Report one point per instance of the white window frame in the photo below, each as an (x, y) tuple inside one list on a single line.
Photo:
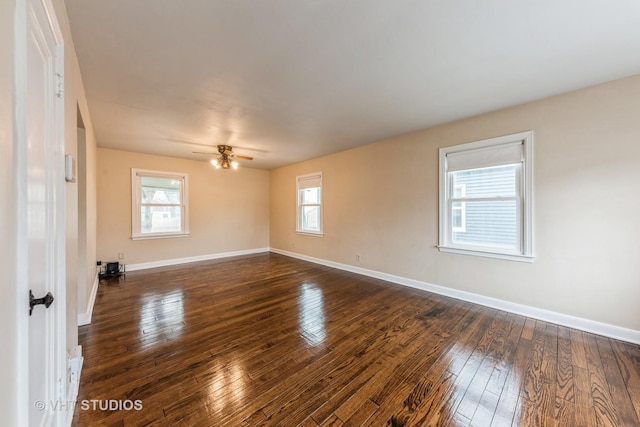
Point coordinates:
[(524, 182), (136, 203), (300, 206)]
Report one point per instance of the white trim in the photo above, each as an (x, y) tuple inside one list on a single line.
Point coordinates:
[(591, 326), (85, 318), (75, 370), (160, 236), (176, 261), (310, 233), (487, 254)]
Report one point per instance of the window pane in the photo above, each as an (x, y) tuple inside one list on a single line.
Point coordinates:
[(456, 215), (160, 219), (492, 224), (310, 196), (310, 220), (160, 190), (487, 182)]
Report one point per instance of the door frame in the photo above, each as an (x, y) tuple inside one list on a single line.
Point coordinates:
[(55, 266)]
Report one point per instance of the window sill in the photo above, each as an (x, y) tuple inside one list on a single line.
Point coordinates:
[(159, 236), (309, 233), (487, 254)]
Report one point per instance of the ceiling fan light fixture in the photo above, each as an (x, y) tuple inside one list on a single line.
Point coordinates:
[(226, 158)]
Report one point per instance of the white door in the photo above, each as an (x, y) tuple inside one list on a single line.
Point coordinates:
[(41, 204)]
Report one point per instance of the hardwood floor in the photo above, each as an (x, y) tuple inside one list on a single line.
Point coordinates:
[(270, 340)]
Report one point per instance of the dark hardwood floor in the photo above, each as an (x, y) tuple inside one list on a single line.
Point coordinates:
[(271, 340)]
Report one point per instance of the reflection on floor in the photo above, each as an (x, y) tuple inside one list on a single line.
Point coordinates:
[(270, 340)]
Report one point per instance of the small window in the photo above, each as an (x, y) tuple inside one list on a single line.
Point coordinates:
[(159, 204), (486, 205), (309, 204)]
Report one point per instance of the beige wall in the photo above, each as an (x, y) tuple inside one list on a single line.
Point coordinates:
[(381, 201), (8, 292), (91, 152), (75, 98), (87, 226), (228, 210), (87, 197)]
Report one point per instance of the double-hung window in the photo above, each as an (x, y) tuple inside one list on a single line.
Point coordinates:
[(309, 203), (486, 198), (159, 204)]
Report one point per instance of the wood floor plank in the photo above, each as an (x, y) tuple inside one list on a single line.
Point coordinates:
[(332, 421), (584, 407), (564, 412), (564, 373), (620, 397), (360, 417), (492, 357), (424, 401), (606, 412), (508, 407), (473, 357), (630, 376), (416, 355), (267, 340)]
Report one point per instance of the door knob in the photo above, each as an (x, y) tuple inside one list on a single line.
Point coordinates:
[(47, 300)]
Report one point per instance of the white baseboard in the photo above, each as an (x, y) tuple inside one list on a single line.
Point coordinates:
[(175, 261), (592, 326), (85, 318), (75, 369)]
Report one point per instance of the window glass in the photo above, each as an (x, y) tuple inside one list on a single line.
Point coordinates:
[(486, 182), (160, 219), (311, 218), (310, 195), (159, 204), (489, 223)]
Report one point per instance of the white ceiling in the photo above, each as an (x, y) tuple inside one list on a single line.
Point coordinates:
[(288, 80)]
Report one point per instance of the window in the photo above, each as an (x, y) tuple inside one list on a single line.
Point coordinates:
[(486, 190), (309, 210), (159, 205)]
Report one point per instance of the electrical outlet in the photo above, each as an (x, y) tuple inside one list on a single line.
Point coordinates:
[(120, 255), (358, 257)]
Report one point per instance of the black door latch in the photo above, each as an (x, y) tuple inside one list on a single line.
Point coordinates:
[(47, 300)]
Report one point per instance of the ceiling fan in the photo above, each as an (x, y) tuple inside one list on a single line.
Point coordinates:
[(226, 158)]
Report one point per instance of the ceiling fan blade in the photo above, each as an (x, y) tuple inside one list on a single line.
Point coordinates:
[(228, 152), (202, 152), (242, 157)]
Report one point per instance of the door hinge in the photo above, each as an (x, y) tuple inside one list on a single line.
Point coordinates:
[(60, 88)]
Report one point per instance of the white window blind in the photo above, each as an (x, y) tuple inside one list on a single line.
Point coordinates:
[(504, 154), (309, 181)]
